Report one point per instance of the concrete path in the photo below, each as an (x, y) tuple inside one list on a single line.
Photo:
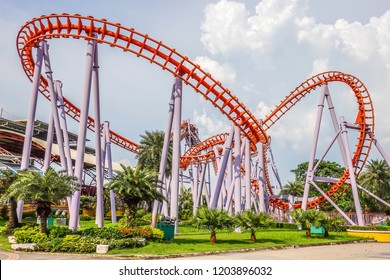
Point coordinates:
[(354, 251)]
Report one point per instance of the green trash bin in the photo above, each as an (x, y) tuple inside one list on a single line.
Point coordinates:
[(169, 230)]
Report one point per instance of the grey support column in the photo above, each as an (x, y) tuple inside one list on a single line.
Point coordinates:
[(352, 177), (31, 119), (82, 136), (98, 147), (247, 175), (174, 213), (310, 171)]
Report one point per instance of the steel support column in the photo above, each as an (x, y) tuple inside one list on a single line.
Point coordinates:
[(248, 197), (163, 160), (222, 168), (237, 170), (351, 170), (82, 135), (98, 147), (174, 213), (31, 119), (310, 171)]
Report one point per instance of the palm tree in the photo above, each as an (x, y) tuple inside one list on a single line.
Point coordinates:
[(151, 146), (213, 219), (135, 186), (295, 188), (306, 218), (376, 179), (252, 221), (43, 190), (7, 177)]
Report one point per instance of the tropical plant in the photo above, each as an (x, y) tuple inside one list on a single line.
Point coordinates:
[(376, 179), (185, 204), (295, 188), (150, 151), (7, 177), (248, 219), (213, 219), (43, 190), (135, 187), (306, 218)]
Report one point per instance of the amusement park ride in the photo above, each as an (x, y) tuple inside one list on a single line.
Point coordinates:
[(241, 158)]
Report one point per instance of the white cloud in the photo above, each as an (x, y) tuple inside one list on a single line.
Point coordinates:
[(356, 39), (228, 26), (208, 125), (222, 72), (319, 66)]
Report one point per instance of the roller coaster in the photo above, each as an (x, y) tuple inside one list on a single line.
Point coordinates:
[(240, 157)]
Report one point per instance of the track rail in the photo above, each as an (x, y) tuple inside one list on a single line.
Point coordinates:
[(364, 120), (57, 26)]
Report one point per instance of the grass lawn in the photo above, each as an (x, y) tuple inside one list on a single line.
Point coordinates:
[(198, 241), (191, 240)]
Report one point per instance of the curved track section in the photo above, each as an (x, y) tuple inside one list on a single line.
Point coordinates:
[(364, 119), (113, 34)]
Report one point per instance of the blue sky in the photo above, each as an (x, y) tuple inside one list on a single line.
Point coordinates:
[(261, 50)]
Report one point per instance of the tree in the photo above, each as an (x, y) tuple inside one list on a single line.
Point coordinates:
[(250, 220), (213, 219), (151, 146), (43, 190), (7, 177), (185, 204), (135, 186), (376, 179), (295, 188), (306, 218)]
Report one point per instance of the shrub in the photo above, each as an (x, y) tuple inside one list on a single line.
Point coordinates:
[(59, 232), (121, 243), (157, 234), (26, 234), (3, 231), (105, 233), (85, 218)]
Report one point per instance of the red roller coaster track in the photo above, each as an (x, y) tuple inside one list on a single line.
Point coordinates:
[(113, 34), (100, 30)]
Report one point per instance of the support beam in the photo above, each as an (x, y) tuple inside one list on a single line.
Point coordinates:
[(248, 202), (31, 119), (98, 148), (82, 135), (355, 193), (163, 160), (107, 155), (174, 213), (237, 170), (310, 172), (221, 170)]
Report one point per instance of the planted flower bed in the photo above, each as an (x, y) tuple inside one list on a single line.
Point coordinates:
[(61, 239)]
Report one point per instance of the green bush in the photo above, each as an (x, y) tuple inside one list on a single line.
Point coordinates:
[(85, 218), (121, 243), (3, 231), (26, 234), (104, 233), (59, 232), (157, 234), (146, 233)]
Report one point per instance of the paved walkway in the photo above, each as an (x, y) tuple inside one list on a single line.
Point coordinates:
[(354, 251)]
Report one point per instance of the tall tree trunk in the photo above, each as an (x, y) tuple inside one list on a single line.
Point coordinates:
[(13, 217), (43, 212), (213, 236), (253, 235)]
